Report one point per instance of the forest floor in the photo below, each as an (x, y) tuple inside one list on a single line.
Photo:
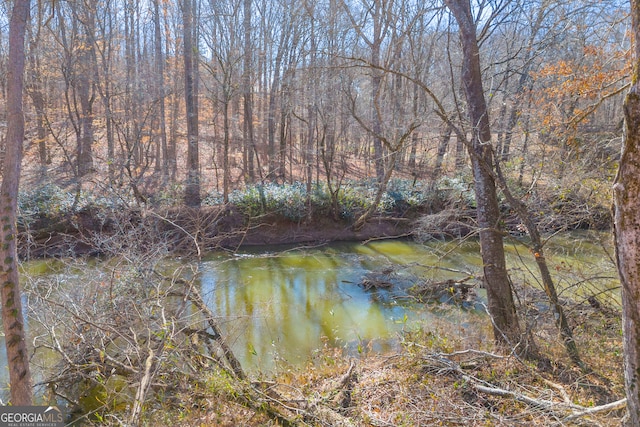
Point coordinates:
[(433, 380)]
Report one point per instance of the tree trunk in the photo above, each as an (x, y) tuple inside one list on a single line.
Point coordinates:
[(160, 90), (12, 315), (249, 147), (192, 185), (35, 89), (226, 178), (173, 126), (414, 138), (271, 119), (537, 247), (376, 83), (86, 80), (38, 100), (499, 294), (627, 238), (173, 99), (627, 232), (111, 146), (445, 137)]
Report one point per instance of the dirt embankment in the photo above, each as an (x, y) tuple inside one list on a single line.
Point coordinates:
[(100, 231), (185, 230)]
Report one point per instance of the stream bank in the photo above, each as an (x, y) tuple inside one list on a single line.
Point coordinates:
[(180, 229)]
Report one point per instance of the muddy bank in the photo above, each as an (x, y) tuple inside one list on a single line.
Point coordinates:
[(185, 230), (99, 231)]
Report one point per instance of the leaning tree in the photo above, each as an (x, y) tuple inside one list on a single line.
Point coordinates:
[(499, 293)]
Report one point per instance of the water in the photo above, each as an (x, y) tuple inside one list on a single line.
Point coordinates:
[(282, 306)]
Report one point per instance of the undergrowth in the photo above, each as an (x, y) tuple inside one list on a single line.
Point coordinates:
[(432, 380), (555, 207)]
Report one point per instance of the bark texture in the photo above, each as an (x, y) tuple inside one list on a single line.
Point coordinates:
[(499, 294), (12, 315), (627, 232), (627, 239), (192, 185)]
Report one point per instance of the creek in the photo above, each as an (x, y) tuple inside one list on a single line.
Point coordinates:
[(282, 306)]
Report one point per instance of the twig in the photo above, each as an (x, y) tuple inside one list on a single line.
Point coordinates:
[(473, 351), (142, 389), (191, 236)]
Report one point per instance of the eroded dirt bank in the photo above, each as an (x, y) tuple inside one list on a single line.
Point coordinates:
[(92, 232), (98, 231)]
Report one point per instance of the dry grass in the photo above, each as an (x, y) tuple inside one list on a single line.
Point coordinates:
[(433, 381)]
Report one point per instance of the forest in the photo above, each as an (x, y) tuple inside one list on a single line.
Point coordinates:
[(146, 144)]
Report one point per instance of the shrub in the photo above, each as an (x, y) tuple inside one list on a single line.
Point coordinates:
[(353, 197), (50, 201), (288, 200)]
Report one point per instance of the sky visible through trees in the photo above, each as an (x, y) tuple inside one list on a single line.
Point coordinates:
[(333, 88)]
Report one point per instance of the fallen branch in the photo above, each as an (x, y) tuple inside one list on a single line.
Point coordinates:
[(142, 389), (547, 405), (193, 295), (442, 365), (618, 404)]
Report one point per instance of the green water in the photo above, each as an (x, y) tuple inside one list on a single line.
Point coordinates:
[(282, 306)]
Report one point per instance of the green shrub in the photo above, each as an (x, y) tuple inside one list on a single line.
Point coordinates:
[(353, 197), (288, 200), (49, 201)]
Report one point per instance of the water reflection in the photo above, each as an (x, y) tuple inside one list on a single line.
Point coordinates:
[(285, 306), (278, 305)]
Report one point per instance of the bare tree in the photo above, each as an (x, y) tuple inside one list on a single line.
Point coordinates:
[(276, 168), (499, 293), (627, 232), (223, 42), (36, 87), (105, 53), (86, 78), (192, 185), (248, 128), (160, 89), (12, 316), (379, 13)]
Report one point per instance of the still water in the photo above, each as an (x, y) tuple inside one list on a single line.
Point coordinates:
[(281, 306)]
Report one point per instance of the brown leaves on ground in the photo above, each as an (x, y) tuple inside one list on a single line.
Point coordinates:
[(427, 385)]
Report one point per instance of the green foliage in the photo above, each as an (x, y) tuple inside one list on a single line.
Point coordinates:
[(48, 200), (167, 195), (219, 383), (292, 201), (456, 190), (288, 200), (51, 201)]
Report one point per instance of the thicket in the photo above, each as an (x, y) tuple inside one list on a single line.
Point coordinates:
[(434, 206)]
